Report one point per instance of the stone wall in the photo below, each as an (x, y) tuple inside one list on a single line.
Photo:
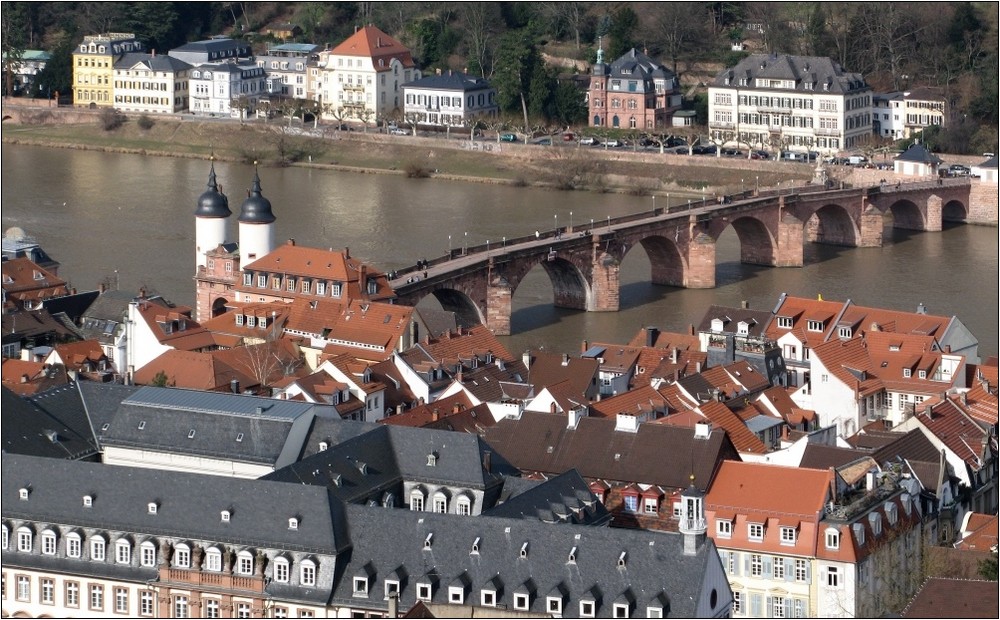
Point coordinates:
[(984, 202)]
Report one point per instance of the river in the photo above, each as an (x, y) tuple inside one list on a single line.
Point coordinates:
[(100, 213)]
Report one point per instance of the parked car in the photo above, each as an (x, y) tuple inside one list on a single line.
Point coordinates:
[(613, 143), (758, 154), (568, 137), (542, 141), (589, 141), (396, 131), (508, 137), (958, 170)]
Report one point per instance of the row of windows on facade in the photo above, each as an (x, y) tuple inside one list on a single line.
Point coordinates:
[(631, 104), (439, 503), (336, 288), (760, 605), (435, 101), (97, 547), (588, 607), (180, 604), (762, 139), (798, 570), (151, 101), (633, 123)]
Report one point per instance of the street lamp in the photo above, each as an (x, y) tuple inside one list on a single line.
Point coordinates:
[(609, 222), (449, 246), (741, 187), (654, 204), (465, 249), (555, 218), (505, 243), (757, 185), (571, 221)]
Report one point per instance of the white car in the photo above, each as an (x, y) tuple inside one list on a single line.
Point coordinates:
[(588, 141), (396, 131)]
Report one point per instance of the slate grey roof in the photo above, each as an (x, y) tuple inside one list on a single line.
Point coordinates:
[(227, 426), (189, 505), (332, 430), (919, 153), (100, 320), (634, 65), (654, 454), (53, 424), (73, 306), (815, 71), (392, 454), (566, 498), (396, 541), (159, 62), (989, 163), (731, 317), (450, 81)]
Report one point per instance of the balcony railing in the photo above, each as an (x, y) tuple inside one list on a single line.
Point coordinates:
[(211, 579)]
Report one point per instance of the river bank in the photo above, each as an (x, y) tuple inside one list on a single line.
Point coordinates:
[(275, 143)]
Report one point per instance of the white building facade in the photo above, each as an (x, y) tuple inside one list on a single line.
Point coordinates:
[(449, 100), (227, 89), (790, 103), (151, 84)]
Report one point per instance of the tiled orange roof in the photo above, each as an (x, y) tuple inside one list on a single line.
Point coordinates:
[(617, 358), (801, 311), (423, 415), (548, 369), (370, 42), (22, 274), (980, 533), (466, 344), (955, 429), (742, 437), (980, 403), (642, 399), (371, 330), (665, 340), (196, 371), (75, 354), (761, 488)]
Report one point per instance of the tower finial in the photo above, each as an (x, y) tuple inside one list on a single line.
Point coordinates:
[(600, 50)]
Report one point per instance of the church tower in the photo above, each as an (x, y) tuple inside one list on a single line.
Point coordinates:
[(256, 224), (211, 220)]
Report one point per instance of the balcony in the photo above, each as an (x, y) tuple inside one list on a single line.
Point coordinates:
[(205, 579), (350, 88), (827, 132), (719, 125)]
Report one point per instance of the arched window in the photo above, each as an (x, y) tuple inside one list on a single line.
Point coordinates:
[(213, 559), (615, 122), (48, 542), (463, 506), (440, 502), (24, 539), (98, 548), (123, 551), (182, 556), (281, 570), (244, 563), (416, 500), (147, 553), (73, 545), (307, 573)]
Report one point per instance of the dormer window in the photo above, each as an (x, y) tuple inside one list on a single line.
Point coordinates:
[(785, 322), (391, 587), (788, 535), (524, 551), (22, 493), (890, 513), (832, 539), (372, 286), (152, 507), (423, 591), (88, 501), (293, 523), (922, 374), (724, 528), (755, 531), (907, 373), (572, 556), (360, 586), (844, 332), (225, 516), (475, 545), (814, 326), (456, 595), (247, 279), (432, 460), (428, 540), (743, 328), (251, 320), (875, 520)]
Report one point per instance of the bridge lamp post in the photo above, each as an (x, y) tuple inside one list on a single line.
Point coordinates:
[(741, 187), (555, 218), (570, 221), (449, 246), (465, 249), (654, 204), (504, 243), (757, 185), (609, 222), (591, 225)]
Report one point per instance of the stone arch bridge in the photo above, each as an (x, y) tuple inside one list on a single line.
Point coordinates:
[(478, 283)]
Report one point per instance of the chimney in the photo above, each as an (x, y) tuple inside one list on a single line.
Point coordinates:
[(565, 359), (347, 252), (291, 242), (435, 416), (394, 605), (697, 366), (526, 358), (552, 405), (437, 71), (651, 334), (456, 407), (745, 304), (153, 53), (690, 329), (673, 355), (584, 347), (234, 385), (488, 461)]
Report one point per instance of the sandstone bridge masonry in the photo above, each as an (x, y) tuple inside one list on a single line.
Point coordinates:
[(582, 263)]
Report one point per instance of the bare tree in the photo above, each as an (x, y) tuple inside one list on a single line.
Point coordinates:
[(677, 27), (572, 15), (270, 358), (481, 20)]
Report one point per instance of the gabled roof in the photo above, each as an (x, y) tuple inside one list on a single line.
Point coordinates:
[(370, 42), (653, 454), (193, 371), (955, 429), (465, 344), (75, 354), (24, 279), (756, 320), (162, 317), (742, 437), (642, 400), (160, 63), (548, 369), (764, 489)]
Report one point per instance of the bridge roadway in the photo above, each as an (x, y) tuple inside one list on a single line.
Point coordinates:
[(582, 263)]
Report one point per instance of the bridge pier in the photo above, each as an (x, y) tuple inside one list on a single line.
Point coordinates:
[(870, 226), (935, 205), (498, 306), (789, 253), (606, 287), (701, 262)]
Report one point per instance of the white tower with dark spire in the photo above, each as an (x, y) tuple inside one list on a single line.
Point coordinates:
[(256, 225), (211, 220)]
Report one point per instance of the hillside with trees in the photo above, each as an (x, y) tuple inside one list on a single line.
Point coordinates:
[(531, 50)]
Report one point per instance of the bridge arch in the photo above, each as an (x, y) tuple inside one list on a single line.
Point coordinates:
[(666, 263), (757, 245), (831, 224), (906, 215), (452, 300), (570, 288), (954, 211)]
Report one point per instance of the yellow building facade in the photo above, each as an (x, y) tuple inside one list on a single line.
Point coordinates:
[(93, 66)]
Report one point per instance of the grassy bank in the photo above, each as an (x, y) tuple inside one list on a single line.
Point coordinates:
[(559, 167)]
